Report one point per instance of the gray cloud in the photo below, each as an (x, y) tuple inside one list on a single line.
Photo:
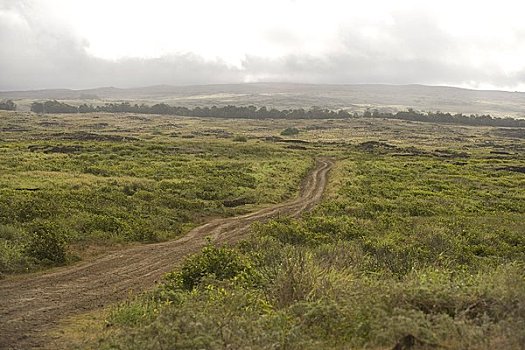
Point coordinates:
[(349, 68), (37, 53)]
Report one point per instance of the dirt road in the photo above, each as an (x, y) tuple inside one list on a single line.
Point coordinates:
[(31, 305)]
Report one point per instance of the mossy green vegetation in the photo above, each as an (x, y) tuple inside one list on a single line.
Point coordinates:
[(64, 191), (410, 243), (420, 237)]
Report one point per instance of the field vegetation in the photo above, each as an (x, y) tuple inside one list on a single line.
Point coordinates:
[(69, 189), (418, 243), (408, 248)]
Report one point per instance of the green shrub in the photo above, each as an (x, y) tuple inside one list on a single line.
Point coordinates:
[(103, 225), (290, 132), (145, 234), (12, 257), (291, 231), (240, 138), (213, 318), (134, 312), (47, 242), (9, 232), (341, 227), (313, 230), (218, 262), (296, 280)]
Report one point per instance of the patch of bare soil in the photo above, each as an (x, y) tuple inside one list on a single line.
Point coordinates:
[(31, 305), (56, 149), (517, 133), (88, 136), (516, 169)]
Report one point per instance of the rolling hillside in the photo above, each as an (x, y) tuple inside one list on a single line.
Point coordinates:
[(287, 95)]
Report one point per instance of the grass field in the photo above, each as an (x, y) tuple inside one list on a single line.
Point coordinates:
[(72, 186), (410, 246), (419, 240)]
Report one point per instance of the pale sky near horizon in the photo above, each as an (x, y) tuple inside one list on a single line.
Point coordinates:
[(83, 44)]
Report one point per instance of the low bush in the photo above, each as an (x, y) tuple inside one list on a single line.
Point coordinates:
[(217, 262), (290, 132), (47, 242), (240, 138)]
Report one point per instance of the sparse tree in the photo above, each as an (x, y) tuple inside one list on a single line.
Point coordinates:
[(37, 107), (8, 105)]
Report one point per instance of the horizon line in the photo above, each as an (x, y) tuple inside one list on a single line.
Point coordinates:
[(266, 82)]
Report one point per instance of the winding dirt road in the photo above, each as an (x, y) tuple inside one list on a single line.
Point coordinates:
[(31, 305)]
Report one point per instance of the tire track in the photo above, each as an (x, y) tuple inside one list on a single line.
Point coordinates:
[(32, 304)]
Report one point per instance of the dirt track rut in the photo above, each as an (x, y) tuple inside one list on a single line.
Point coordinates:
[(30, 305)]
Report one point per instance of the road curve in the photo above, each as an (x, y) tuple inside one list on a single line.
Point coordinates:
[(30, 305)]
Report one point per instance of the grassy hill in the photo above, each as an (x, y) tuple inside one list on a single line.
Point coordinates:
[(289, 95)]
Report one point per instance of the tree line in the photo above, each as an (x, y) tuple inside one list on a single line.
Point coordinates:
[(7, 105), (448, 118), (252, 112)]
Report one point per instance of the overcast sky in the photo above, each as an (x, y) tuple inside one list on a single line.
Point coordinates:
[(125, 43)]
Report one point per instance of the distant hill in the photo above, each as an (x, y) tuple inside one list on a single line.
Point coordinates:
[(287, 95)]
